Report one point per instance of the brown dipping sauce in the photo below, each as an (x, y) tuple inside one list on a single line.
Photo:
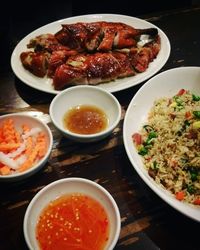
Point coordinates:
[(85, 119)]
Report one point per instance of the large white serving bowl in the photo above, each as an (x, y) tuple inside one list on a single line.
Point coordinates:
[(85, 95), (19, 120), (64, 187), (165, 84)]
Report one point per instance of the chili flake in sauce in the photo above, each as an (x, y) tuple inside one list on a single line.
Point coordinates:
[(74, 221)]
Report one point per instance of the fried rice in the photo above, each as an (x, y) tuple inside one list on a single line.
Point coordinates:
[(169, 144)]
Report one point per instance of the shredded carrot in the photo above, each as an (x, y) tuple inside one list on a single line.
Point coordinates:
[(5, 170), (1, 135), (30, 148), (8, 131), (8, 146), (25, 128), (29, 145), (17, 137), (31, 159), (41, 141)]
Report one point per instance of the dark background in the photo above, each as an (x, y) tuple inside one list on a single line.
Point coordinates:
[(126, 7)]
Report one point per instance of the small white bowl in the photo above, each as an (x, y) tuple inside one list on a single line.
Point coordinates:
[(64, 187), (85, 95), (19, 120)]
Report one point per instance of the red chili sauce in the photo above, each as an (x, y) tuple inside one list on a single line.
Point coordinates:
[(73, 222), (85, 119)]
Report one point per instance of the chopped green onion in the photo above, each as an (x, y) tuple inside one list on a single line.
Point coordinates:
[(155, 165), (195, 98), (151, 136), (148, 128), (178, 100), (196, 114), (143, 151), (191, 189), (193, 174), (186, 123)]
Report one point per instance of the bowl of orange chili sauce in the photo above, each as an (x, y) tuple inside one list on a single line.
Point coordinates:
[(72, 213)]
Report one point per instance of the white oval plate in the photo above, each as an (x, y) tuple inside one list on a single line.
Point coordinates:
[(165, 84), (45, 84)]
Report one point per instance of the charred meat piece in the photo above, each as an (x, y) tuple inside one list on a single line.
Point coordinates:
[(73, 72), (108, 38), (94, 36), (126, 68), (104, 67), (57, 58), (44, 43), (141, 57), (67, 75), (95, 68), (154, 47), (72, 35), (36, 63)]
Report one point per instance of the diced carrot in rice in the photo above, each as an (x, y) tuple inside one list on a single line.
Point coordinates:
[(180, 195), (197, 201)]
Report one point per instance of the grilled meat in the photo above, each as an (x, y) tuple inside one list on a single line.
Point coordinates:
[(100, 36), (36, 63), (92, 69), (91, 53)]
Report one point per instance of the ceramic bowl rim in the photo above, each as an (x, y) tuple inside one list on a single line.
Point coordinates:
[(88, 136)]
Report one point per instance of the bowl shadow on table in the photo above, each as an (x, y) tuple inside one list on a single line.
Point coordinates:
[(148, 219), (32, 96), (67, 147)]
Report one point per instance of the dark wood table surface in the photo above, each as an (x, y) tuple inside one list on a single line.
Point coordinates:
[(147, 222)]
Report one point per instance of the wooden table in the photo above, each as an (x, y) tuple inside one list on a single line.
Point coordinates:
[(147, 221)]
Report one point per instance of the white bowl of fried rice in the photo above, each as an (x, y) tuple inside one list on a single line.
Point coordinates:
[(161, 135)]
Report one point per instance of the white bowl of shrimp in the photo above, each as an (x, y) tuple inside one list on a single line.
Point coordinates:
[(25, 146)]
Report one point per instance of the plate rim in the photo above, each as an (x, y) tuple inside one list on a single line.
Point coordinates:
[(110, 86)]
